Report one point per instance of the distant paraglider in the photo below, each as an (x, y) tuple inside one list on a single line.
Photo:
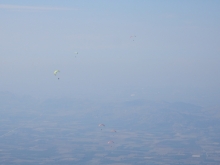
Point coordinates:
[(111, 143), (55, 73), (113, 130), (101, 126), (76, 53), (132, 37)]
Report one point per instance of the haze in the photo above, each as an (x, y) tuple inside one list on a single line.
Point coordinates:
[(174, 56), (147, 70)]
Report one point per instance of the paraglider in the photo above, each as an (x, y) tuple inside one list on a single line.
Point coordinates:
[(110, 143), (132, 37), (113, 130), (76, 53), (55, 73), (101, 125)]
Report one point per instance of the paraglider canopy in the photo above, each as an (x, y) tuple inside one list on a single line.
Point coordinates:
[(110, 142), (55, 72), (101, 125), (132, 37), (76, 53)]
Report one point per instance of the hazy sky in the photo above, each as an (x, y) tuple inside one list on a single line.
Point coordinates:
[(174, 57)]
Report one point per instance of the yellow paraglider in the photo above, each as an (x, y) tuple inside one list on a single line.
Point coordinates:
[(55, 73)]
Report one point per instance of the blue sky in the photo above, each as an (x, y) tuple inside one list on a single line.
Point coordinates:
[(174, 56)]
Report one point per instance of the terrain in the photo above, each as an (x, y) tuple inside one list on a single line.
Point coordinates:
[(67, 131)]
